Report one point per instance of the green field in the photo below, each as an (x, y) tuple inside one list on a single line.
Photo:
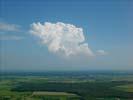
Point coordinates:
[(127, 87), (6, 93), (66, 87)]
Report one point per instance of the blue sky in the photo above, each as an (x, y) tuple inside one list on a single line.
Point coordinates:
[(107, 26)]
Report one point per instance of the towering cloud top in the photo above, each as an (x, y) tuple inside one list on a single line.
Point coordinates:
[(61, 38)]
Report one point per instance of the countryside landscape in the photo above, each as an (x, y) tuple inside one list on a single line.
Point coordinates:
[(83, 85), (66, 49)]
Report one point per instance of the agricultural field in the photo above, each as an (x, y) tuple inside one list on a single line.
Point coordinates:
[(127, 87), (66, 86)]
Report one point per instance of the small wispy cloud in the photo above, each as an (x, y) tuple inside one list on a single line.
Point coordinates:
[(101, 52), (6, 29), (9, 27), (11, 38)]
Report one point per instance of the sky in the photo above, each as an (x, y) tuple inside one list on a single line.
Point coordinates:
[(41, 35)]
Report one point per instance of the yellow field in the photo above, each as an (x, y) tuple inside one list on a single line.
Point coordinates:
[(52, 94)]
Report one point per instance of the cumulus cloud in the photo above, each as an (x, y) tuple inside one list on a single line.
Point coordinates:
[(9, 27), (61, 38)]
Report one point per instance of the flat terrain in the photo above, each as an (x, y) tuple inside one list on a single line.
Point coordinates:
[(66, 86), (127, 87)]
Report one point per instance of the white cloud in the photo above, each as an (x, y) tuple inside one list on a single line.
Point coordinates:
[(101, 52), (11, 38), (63, 39), (9, 27)]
